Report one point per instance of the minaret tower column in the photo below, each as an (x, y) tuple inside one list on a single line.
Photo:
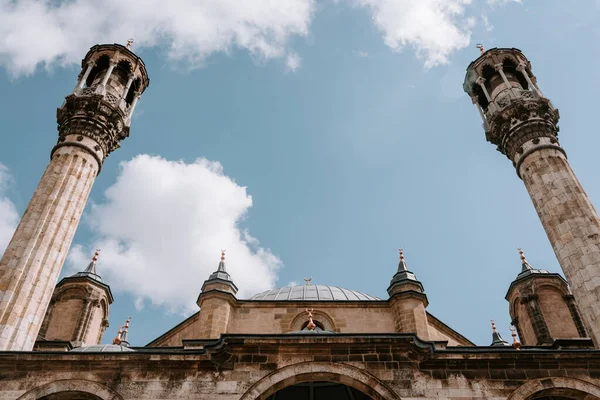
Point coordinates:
[(522, 123), (91, 123)]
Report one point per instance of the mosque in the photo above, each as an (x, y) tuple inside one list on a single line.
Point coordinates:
[(312, 342)]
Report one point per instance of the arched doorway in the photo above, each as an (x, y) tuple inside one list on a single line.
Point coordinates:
[(71, 395), (71, 389), (322, 376), (556, 388), (321, 390), (562, 394)]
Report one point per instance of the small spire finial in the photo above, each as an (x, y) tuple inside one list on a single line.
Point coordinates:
[(516, 344), (311, 325), (95, 258), (308, 281), (117, 339), (129, 43), (222, 255), (494, 326), (480, 47), (401, 254), (522, 255)]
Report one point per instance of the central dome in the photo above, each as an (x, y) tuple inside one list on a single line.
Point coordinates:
[(313, 292)]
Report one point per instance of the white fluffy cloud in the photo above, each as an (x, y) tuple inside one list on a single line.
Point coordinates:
[(8, 213), (161, 228), (293, 61), (60, 32), (434, 28)]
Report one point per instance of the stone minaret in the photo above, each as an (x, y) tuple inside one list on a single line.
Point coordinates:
[(522, 123), (92, 121), (78, 311), (408, 302), (542, 307)]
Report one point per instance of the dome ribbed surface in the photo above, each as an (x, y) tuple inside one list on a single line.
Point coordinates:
[(313, 292), (102, 348)]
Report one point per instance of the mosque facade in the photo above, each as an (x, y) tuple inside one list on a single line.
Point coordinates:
[(312, 342)]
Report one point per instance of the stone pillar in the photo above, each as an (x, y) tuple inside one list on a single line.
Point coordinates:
[(524, 128), (89, 130), (408, 302)]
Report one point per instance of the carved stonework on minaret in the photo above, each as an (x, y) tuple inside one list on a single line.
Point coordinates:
[(517, 117), (522, 123), (97, 115), (92, 121)]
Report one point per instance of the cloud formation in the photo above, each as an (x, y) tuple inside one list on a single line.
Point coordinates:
[(293, 61), (434, 28), (9, 217), (61, 32), (161, 228)]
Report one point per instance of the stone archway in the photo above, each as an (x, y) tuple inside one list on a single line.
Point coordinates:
[(91, 389), (556, 387), (320, 371)]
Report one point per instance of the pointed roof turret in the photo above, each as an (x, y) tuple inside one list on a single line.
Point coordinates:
[(497, 340), (125, 334), (403, 275), (526, 268), (90, 270), (220, 276)]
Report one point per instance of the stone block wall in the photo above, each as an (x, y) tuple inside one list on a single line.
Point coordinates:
[(249, 368)]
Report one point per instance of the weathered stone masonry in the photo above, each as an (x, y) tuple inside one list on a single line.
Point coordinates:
[(523, 124), (91, 123)]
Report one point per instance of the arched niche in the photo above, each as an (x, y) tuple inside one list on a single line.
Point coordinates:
[(559, 388), (71, 389), (305, 372)]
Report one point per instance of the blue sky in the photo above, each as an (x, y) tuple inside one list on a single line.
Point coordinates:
[(336, 146)]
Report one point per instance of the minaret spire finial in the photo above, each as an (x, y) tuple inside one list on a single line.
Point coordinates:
[(516, 344), (124, 339), (95, 258), (129, 43), (524, 262), (222, 255), (480, 47), (117, 339), (402, 264), (496, 337), (308, 281)]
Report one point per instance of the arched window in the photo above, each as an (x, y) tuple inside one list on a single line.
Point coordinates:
[(318, 391), (70, 395), (101, 65)]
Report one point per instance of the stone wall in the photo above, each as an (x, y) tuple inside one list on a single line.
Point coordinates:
[(247, 368), (271, 317)]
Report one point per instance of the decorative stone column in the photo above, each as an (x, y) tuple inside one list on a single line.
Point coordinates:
[(408, 302), (524, 128), (90, 127)]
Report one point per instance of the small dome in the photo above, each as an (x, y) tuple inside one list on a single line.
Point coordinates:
[(103, 348), (313, 292)]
